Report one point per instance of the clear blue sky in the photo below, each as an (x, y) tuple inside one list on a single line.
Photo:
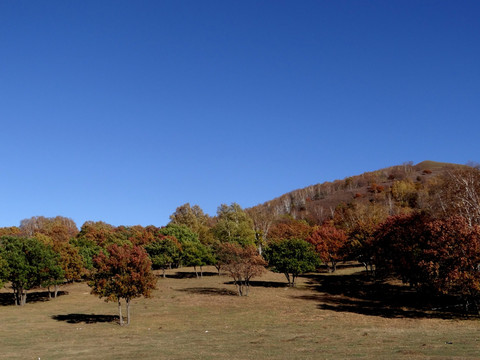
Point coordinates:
[(123, 110)]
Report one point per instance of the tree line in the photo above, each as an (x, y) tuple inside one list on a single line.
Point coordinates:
[(434, 247)]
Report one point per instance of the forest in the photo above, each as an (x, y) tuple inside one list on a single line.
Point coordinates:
[(418, 224)]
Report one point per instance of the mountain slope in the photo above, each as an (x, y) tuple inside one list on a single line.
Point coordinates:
[(316, 203)]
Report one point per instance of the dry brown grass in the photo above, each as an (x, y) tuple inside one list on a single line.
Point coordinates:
[(326, 317)]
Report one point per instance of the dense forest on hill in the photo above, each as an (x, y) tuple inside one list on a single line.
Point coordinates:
[(397, 187)]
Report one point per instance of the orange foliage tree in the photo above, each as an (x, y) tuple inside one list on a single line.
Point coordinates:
[(451, 259), (242, 264), (126, 273), (441, 255), (329, 243), (289, 229)]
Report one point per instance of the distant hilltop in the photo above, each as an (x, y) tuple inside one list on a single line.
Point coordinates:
[(317, 203)]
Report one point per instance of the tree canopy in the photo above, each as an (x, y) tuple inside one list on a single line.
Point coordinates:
[(234, 225), (291, 257), (30, 264), (164, 252), (242, 264), (125, 273)]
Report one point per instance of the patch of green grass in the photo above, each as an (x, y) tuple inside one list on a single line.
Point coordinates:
[(192, 318)]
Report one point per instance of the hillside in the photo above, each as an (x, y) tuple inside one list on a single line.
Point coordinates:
[(317, 203)]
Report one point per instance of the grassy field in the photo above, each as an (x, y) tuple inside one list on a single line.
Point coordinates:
[(326, 317)]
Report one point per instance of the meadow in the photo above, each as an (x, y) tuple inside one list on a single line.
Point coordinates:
[(327, 316)]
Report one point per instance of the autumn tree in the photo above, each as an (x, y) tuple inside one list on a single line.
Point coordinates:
[(288, 228), (458, 192), (451, 259), (329, 243), (400, 242), (360, 221), (10, 231), (291, 257), (242, 264), (361, 245), (125, 273), (100, 233), (60, 229), (262, 222), (194, 218), (70, 261), (137, 234), (442, 255), (30, 264), (405, 193)]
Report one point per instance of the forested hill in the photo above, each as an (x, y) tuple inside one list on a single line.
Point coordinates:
[(394, 188)]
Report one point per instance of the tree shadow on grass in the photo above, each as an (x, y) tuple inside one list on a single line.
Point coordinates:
[(268, 284), (357, 293), (188, 275), (7, 299), (209, 291), (85, 318), (347, 265)]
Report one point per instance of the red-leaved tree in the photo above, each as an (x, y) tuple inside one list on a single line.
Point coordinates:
[(329, 243), (242, 264), (451, 259), (125, 273), (438, 254)]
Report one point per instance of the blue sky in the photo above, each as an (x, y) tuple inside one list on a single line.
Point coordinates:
[(123, 110)]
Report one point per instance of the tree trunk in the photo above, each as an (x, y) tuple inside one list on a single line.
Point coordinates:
[(196, 273), (128, 311), (201, 271), (23, 300), (16, 295), (120, 312), (49, 293), (287, 275), (56, 291), (164, 273), (365, 265), (333, 267)]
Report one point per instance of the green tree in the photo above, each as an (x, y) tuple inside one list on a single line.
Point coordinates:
[(196, 254), (180, 232), (4, 270), (291, 257), (125, 273), (164, 252), (30, 264), (87, 249), (234, 225)]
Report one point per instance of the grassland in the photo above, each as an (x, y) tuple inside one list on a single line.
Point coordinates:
[(326, 317)]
